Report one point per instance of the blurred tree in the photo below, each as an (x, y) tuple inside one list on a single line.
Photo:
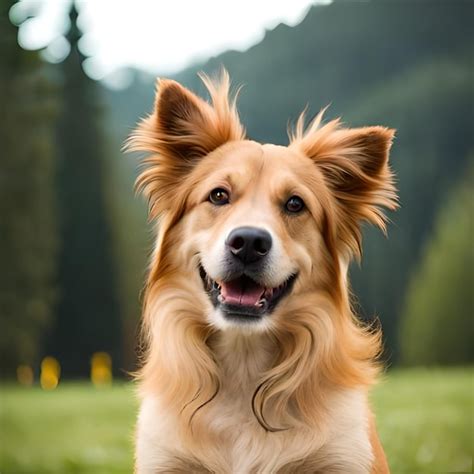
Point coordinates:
[(28, 234), (437, 326), (88, 318)]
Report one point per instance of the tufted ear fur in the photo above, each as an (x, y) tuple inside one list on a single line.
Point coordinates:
[(182, 129), (354, 163)]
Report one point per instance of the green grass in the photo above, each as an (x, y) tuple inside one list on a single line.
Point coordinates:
[(425, 420), (73, 429)]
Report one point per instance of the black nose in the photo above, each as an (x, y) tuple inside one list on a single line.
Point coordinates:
[(249, 244)]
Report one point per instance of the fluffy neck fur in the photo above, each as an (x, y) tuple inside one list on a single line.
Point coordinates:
[(283, 375)]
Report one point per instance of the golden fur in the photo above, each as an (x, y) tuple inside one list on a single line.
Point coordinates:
[(290, 396)]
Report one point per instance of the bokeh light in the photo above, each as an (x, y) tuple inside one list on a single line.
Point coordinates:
[(101, 369), (50, 373)]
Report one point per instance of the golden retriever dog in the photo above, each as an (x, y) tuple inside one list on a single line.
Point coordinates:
[(254, 360)]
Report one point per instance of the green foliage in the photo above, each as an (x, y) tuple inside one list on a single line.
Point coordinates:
[(421, 418), (437, 325), (429, 105), (28, 233)]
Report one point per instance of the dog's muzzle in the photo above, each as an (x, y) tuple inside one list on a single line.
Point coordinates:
[(241, 293)]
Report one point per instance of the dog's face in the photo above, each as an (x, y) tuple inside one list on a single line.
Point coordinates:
[(254, 226), (255, 221)]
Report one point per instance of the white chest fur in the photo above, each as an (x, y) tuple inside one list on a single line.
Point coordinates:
[(340, 444)]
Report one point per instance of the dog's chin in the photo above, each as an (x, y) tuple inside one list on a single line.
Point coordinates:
[(243, 301)]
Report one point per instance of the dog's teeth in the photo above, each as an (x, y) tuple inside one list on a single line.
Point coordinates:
[(261, 303)]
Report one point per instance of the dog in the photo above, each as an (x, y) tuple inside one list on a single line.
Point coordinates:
[(254, 361)]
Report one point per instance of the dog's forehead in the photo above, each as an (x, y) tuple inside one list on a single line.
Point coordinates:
[(241, 153), (255, 157)]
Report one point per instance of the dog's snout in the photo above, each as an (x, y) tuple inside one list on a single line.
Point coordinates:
[(249, 244)]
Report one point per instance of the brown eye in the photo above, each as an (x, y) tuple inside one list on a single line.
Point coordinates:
[(219, 197), (294, 204)]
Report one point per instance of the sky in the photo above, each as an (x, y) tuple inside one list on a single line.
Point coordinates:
[(160, 36)]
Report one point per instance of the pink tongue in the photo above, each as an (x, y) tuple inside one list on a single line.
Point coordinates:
[(242, 292)]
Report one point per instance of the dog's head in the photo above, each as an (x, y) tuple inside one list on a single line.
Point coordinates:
[(258, 224), (255, 238)]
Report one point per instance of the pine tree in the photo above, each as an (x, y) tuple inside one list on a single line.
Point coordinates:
[(28, 233), (88, 318)]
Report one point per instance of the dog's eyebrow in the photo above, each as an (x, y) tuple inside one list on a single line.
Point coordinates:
[(290, 185), (224, 178), (208, 183)]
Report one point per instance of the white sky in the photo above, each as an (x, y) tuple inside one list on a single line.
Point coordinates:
[(161, 36)]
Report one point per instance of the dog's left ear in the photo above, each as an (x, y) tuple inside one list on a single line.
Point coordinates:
[(182, 129), (354, 164)]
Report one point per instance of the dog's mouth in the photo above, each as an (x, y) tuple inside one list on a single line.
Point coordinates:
[(242, 297)]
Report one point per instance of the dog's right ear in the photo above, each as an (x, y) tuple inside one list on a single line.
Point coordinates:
[(183, 123), (182, 129)]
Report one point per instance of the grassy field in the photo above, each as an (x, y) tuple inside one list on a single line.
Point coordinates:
[(425, 420)]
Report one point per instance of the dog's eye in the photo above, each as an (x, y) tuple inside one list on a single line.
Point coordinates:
[(294, 204), (219, 197)]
